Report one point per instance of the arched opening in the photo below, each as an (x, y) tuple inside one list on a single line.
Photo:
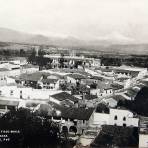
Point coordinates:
[(73, 129), (115, 118), (124, 125), (65, 129), (124, 118), (64, 132)]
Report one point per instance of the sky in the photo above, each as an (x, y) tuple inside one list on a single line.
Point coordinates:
[(85, 19)]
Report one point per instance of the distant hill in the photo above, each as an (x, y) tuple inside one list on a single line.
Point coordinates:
[(8, 35), (113, 43)]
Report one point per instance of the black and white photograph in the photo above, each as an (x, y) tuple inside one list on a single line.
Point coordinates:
[(73, 73)]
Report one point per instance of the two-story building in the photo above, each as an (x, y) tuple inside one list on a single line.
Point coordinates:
[(118, 117)]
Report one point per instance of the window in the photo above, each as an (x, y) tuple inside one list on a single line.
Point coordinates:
[(11, 92), (115, 118), (124, 118), (124, 125), (21, 94)]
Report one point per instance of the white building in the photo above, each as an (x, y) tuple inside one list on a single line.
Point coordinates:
[(118, 117), (95, 92), (26, 92), (96, 62), (111, 102), (106, 92), (102, 92), (74, 78), (122, 117), (99, 119), (143, 140), (142, 73)]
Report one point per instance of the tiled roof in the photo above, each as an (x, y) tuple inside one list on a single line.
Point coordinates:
[(118, 97), (49, 81), (90, 97), (77, 113), (64, 96), (116, 86), (131, 92), (9, 103), (74, 113), (33, 76)]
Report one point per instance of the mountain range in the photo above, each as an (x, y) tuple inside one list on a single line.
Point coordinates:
[(114, 42), (9, 35)]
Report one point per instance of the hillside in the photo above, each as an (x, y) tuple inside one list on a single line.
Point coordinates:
[(116, 44)]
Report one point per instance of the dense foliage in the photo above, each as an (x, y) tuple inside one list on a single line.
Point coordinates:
[(115, 136), (138, 61), (34, 129), (102, 108), (140, 104)]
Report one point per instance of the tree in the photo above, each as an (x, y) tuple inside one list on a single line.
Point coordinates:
[(61, 61), (32, 57), (102, 108), (40, 53), (116, 136), (65, 132), (63, 86), (139, 104), (34, 129), (93, 85), (22, 53)]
